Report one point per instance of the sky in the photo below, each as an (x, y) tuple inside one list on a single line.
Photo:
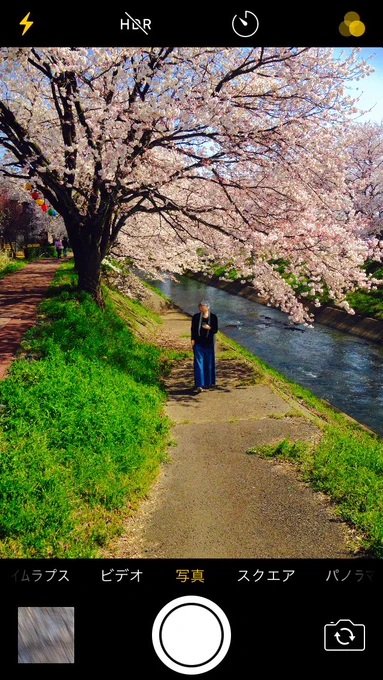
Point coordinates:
[(371, 87)]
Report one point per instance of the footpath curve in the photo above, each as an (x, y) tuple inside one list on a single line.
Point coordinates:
[(20, 294), (212, 499)]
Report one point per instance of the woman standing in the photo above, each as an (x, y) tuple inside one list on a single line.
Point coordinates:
[(59, 247), (203, 329)]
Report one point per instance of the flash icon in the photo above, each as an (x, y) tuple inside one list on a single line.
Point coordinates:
[(27, 24)]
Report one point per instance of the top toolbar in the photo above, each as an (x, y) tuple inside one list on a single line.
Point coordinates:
[(199, 25)]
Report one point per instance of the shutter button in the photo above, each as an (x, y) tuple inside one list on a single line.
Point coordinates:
[(191, 635)]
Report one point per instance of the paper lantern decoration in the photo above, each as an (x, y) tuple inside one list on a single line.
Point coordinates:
[(40, 201)]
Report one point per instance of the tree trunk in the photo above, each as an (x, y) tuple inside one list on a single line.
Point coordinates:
[(12, 246), (88, 266), (90, 242)]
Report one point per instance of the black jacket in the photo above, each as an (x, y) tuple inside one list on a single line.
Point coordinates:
[(205, 337)]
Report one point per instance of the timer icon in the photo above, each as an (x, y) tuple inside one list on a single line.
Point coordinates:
[(245, 25)]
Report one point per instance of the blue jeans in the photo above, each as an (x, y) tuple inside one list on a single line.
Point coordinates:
[(204, 365)]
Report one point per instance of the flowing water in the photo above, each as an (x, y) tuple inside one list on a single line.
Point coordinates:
[(342, 368)]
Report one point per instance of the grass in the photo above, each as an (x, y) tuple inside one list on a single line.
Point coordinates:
[(82, 427), (8, 266), (156, 290), (348, 466), (280, 416), (132, 312), (367, 303)]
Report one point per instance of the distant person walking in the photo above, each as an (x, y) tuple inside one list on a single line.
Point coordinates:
[(203, 329), (65, 246), (59, 247)]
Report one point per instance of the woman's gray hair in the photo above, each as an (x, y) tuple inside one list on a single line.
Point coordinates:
[(204, 302)]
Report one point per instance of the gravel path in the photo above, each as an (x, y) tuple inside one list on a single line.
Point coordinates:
[(214, 500)]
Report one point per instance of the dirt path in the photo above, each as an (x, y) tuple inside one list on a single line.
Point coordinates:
[(20, 294), (212, 499)]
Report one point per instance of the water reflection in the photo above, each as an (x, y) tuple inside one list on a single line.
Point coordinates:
[(341, 368)]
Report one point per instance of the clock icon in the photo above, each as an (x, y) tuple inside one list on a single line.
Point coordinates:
[(245, 25)]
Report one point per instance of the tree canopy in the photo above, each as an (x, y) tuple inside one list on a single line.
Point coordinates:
[(182, 156)]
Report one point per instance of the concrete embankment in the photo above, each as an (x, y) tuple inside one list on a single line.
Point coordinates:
[(365, 327)]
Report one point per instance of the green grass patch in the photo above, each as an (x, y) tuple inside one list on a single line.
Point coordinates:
[(281, 416), (82, 427), (156, 290), (131, 311), (284, 449), (367, 303), (348, 466), (11, 266)]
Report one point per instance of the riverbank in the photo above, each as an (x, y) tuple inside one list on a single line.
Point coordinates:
[(214, 498), (362, 326), (258, 467)]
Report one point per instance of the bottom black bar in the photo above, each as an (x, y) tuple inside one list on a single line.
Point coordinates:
[(189, 617)]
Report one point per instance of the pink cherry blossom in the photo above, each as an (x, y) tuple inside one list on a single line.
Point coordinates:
[(177, 158)]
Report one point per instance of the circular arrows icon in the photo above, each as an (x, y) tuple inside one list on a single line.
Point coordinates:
[(352, 637)]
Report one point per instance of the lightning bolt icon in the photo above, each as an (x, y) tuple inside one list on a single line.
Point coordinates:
[(27, 24)]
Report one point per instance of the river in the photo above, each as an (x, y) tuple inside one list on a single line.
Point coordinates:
[(344, 369)]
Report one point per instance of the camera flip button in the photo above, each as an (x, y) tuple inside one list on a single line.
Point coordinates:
[(191, 635), (344, 635)]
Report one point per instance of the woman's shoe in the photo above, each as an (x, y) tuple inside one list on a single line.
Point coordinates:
[(199, 390)]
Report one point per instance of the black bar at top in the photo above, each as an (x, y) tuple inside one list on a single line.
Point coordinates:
[(188, 25)]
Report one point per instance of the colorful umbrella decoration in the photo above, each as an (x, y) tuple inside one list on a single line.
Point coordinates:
[(40, 201)]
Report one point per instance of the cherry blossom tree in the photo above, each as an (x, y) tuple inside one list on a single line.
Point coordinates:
[(184, 156), (365, 174)]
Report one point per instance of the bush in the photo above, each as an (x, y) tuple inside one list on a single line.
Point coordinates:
[(32, 252), (8, 264), (4, 260), (49, 251)]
